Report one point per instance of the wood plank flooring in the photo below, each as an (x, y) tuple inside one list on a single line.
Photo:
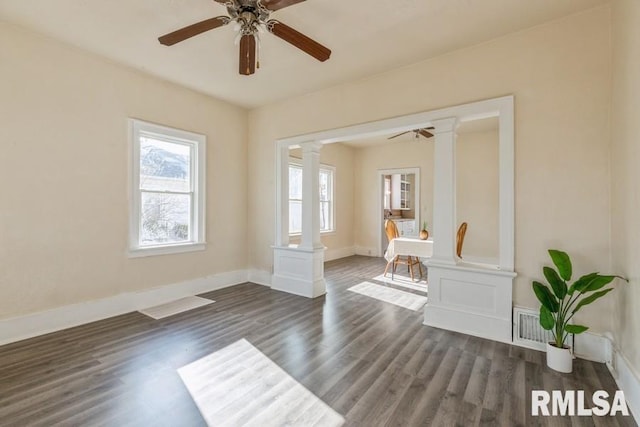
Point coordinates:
[(372, 362)]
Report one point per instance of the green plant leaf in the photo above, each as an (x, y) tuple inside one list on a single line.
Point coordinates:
[(598, 282), (546, 318), (545, 297), (581, 282), (575, 329), (557, 284), (562, 262), (591, 298)]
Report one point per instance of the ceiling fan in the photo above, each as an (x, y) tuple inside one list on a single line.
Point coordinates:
[(418, 133), (251, 18)]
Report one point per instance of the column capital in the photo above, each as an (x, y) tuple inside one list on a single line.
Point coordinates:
[(445, 125), (311, 146)]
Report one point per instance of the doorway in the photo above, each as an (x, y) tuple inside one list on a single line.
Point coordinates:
[(400, 201)]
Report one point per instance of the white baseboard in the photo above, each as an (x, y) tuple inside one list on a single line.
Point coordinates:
[(365, 251), (593, 347), (31, 325), (628, 381), (260, 277), (332, 254)]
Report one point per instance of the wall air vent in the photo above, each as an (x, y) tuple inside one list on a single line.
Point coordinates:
[(527, 331)]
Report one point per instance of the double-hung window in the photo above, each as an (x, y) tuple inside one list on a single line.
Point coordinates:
[(326, 190), (167, 190)]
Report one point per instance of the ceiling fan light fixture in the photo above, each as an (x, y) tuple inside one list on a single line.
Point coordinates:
[(250, 19)]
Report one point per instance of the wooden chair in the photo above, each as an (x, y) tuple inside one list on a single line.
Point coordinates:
[(391, 230), (462, 230)]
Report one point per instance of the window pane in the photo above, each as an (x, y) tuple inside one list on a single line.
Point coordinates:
[(324, 186), (295, 216), (165, 218), (295, 199), (325, 218), (164, 166), (295, 182)]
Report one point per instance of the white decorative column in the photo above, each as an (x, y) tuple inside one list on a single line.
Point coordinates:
[(282, 185), (444, 191), (300, 269), (474, 299), (310, 238)]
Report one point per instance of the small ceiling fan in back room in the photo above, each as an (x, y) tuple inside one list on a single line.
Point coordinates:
[(417, 133), (251, 18)]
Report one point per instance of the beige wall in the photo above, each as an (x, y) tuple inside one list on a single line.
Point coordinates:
[(342, 158), (477, 199), (63, 176), (625, 172), (560, 76)]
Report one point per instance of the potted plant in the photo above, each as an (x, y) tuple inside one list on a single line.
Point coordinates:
[(560, 302), (424, 234)]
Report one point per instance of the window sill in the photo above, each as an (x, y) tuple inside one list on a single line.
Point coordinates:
[(166, 250), (322, 233)]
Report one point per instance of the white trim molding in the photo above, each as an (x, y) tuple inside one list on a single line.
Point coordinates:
[(259, 277), (627, 379), (35, 324), (367, 251), (337, 253), (311, 276), (196, 145)]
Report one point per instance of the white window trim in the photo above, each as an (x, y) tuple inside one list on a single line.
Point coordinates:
[(198, 173), (298, 162)]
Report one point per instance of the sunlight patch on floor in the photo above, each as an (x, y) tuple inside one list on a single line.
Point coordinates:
[(174, 307), (404, 282), (239, 385), (390, 295)]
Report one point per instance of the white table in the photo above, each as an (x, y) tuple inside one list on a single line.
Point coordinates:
[(408, 246)]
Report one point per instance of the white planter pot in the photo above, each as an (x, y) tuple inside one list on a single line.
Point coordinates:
[(559, 359)]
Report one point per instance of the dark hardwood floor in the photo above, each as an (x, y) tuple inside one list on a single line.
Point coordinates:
[(372, 362)]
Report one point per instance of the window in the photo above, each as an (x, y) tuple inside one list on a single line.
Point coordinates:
[(295, 198), (167, 183)]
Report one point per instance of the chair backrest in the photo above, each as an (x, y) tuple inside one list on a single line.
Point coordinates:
[(391, 229), (462, 230)]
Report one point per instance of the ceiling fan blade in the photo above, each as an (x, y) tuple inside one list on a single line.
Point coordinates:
[(273, 5), (193, 30), (299, 40), (247, 55), (425, 133), (400, 134)]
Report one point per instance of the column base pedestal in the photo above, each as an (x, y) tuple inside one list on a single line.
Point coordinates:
[(299, 271), (470, 299)]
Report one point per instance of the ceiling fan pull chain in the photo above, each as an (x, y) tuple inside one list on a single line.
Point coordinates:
[(257, 36)]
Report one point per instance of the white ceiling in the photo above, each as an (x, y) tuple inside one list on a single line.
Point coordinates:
[(367, 37)]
